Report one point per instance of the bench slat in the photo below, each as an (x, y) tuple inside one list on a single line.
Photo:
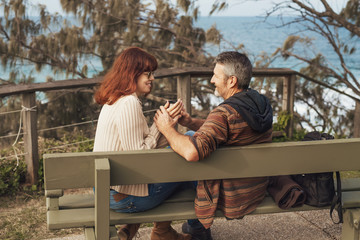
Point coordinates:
[(76, 170), (77, 201), (70, 218), (87, 200), (349, 184), (84, 217), (351, 199)]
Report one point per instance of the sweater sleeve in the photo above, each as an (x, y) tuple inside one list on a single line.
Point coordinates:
[(211, 134), (133, 130)]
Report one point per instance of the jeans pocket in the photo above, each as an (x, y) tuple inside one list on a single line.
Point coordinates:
[(125, 206)]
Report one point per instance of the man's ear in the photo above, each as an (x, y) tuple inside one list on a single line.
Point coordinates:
[(232, 82)]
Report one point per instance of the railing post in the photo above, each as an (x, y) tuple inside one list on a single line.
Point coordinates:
[(288, 101), (30, 137), (183, 92), (357, 120)]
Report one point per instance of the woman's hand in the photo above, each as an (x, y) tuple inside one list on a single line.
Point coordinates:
[(164, 121), (174, 109)]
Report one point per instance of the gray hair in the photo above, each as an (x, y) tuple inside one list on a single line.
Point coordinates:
[(238, 65)]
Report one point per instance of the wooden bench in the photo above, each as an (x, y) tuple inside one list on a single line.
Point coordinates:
[(102, 169)]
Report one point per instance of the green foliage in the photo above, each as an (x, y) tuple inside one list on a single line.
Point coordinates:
[(298, 135), (11, 176), (281, 124), (282, 121)]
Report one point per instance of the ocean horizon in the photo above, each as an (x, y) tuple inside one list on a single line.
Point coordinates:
[(257, 35)]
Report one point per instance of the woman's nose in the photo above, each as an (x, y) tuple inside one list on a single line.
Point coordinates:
[(152, 77)]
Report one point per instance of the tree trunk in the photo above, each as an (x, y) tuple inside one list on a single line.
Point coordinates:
[(357, 120)]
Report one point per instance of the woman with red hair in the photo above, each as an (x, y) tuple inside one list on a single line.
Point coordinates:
[(122, 126)]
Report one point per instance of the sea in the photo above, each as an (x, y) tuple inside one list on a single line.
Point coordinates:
[(261, 35), (258, 35)]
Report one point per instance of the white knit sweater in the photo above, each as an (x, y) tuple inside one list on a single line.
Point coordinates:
[(122, 126)]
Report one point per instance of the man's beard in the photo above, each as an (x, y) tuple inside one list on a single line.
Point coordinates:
[(216, 93)]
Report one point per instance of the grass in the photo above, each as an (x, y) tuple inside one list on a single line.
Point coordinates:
[(23, 216)]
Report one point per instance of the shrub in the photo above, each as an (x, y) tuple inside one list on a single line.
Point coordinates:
[(283, 119), (11, 176)]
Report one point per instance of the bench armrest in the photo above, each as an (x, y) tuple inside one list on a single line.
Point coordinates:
[(102, 198)]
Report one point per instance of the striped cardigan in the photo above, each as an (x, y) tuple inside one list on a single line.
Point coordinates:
[(235, 197)]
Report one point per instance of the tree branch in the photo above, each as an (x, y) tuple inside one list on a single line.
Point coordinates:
[(332, 15)]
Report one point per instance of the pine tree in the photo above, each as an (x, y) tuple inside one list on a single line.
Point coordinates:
[(85, 43)]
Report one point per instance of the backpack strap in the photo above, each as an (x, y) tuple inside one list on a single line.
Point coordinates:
[(337, 201)]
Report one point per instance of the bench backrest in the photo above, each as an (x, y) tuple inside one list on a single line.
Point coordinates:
[(76, 170)]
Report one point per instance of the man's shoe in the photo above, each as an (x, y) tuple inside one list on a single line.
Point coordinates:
[(164, 231), (128, 231), (197, 234)]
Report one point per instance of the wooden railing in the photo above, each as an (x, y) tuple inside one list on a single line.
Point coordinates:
[(183, 75)]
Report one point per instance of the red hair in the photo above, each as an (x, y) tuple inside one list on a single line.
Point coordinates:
[(122, 78)]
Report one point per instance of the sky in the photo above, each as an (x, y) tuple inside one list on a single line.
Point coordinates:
[(256, 7), (236, 7)]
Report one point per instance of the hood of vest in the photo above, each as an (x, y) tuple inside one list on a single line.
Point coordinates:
[(254, 107)]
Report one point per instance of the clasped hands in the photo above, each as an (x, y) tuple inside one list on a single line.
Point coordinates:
[(169, 115)]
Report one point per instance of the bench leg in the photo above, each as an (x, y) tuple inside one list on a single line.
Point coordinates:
[(102, 198), (89, 233), (350, 227)]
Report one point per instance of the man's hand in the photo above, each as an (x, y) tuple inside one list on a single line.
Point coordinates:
[(185, 119), (164, 121), (174, 109)]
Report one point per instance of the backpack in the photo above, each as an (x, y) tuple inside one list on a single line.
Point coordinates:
[(319, 187)]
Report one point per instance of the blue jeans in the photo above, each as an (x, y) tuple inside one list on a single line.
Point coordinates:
[(158, 192)]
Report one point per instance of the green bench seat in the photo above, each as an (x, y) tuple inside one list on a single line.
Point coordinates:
[(71, 201), (174, 208)]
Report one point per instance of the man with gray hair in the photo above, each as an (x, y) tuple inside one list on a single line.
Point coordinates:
[(245, 117)]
